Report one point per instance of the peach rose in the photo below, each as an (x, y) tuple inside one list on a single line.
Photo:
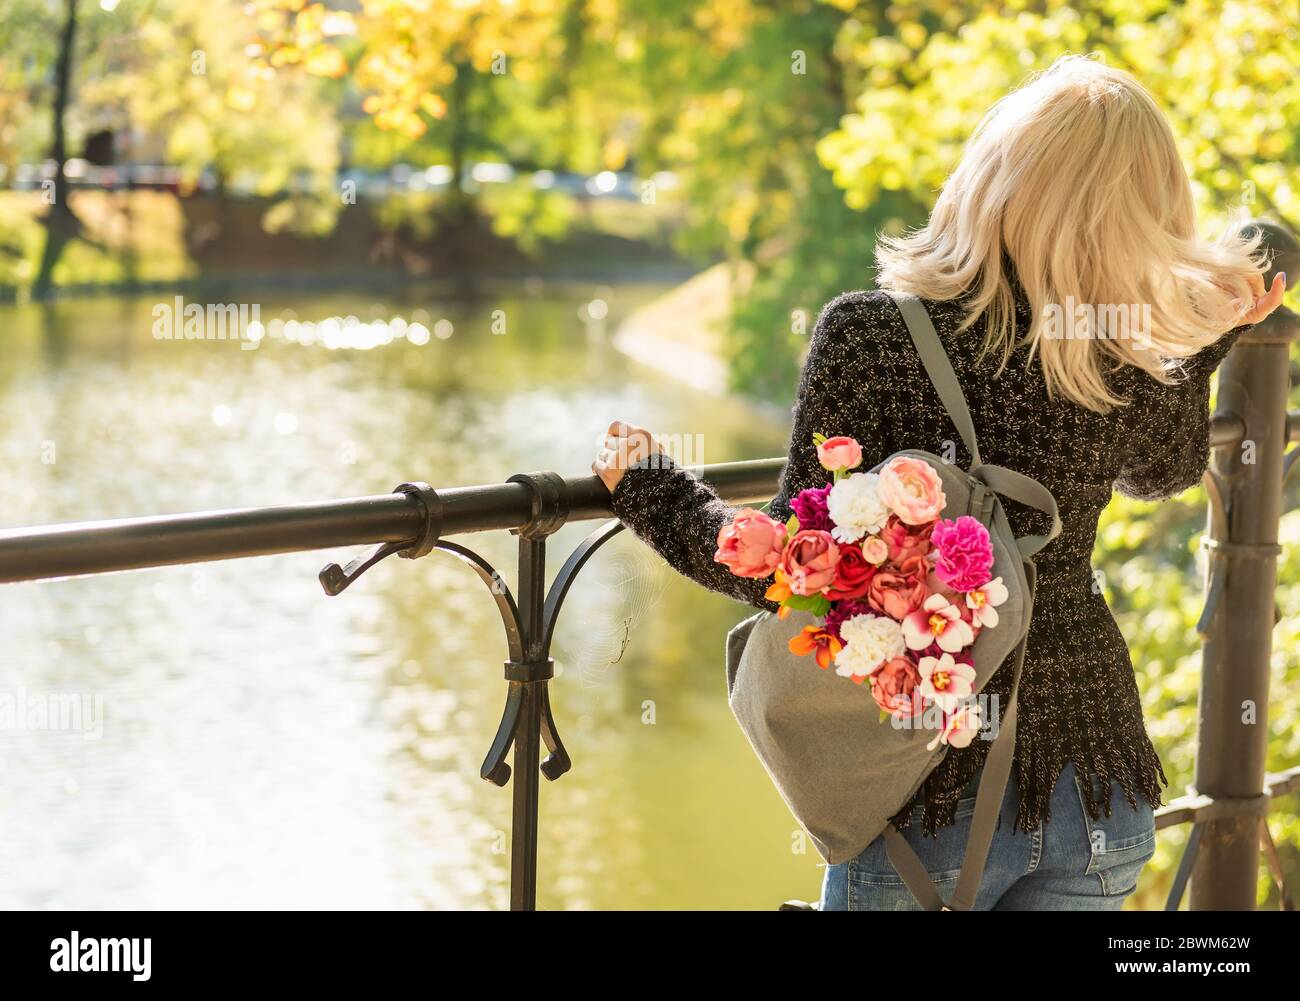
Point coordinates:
[(899, 593), (894, 687), (751, 544), (840, 452), (935, 586), (809, 562), (912, 490), (904, 540)]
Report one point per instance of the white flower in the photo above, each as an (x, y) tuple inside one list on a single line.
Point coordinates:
[(855, 506), (959, 728), (983, 602), (869, 641)]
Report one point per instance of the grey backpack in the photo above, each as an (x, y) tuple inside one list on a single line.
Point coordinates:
[(841, 770)]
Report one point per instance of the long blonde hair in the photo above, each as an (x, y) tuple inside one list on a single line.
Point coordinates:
[(1076, 178)]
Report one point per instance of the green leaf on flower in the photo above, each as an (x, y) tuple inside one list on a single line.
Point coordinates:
[(818, 438), (817, 604), (792, 526)]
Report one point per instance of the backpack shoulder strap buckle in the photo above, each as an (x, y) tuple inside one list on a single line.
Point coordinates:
[(981, 502)]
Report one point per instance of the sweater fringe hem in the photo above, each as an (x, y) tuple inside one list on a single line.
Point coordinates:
[(1134, 764)]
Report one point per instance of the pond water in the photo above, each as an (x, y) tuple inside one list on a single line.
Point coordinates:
[(247, 742)]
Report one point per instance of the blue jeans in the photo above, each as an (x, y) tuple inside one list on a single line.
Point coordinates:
[(1071, 863)]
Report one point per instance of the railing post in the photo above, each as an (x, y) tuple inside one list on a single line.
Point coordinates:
[(531, 678), (528, 678), (1233, 707)]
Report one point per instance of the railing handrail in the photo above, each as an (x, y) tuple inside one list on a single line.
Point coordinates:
[(74, 549), (93, 547)]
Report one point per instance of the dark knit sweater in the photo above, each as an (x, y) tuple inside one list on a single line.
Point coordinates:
[(1078, 699)]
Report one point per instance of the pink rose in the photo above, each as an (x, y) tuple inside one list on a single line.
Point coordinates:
[(809, 562), (898, 593), (912, 490), (751, 545), (963, 553), (894, 687), (840, 452), (904, 540)]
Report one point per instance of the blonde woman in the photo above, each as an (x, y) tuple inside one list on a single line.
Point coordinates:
[(1069, 194)]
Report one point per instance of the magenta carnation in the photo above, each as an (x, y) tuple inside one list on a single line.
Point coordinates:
[(809, 506), (842, 611), (963, 553)]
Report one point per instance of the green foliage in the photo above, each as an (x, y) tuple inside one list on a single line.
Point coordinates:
[(521, 212), (1207, 62), (773, 317)]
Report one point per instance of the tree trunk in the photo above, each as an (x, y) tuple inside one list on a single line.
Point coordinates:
[(60, 223)]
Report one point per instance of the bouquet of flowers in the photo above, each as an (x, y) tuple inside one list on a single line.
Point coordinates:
[(900, 592)]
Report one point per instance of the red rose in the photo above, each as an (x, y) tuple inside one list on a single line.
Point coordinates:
[(852, 574), (899, 593)]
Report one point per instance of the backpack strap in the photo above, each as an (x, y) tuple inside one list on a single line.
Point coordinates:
[(994, 779), (996, 772), (1024, 490), (938, 367), (999, 479)]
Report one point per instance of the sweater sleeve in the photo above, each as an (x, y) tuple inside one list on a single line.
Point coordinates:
[(1162, 465), (679, 516)]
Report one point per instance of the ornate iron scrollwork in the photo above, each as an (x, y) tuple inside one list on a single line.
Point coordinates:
[(527, 721)]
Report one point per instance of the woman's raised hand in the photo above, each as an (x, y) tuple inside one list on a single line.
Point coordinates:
[(625, 446), (1264, 303)]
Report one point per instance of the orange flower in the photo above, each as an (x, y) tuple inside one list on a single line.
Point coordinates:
[(816, 638), (778, 592)]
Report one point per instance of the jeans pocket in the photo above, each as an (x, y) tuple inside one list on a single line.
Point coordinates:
[(1119, 845), (965, 807), (942, 856)]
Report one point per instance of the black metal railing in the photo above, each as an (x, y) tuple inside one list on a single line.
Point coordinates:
[(1245, 487), (413, 521)]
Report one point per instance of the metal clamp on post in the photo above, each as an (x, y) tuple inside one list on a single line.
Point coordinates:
[(1242, 550), (431, 507), (534, 670), (335, 579), (1219, 551), (550, 502)]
